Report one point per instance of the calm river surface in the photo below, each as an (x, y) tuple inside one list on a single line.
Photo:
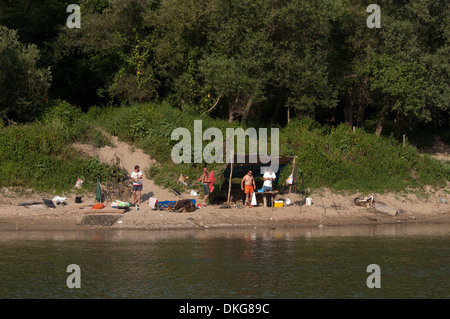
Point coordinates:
[(328, 262)]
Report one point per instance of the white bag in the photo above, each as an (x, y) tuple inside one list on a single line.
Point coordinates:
[(288, 201), (152, 202), (290, 180), (254, 203), (58, 200), (79, 183)]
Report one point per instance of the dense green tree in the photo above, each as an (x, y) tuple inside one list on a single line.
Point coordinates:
[(178, 33), (109, 48), (37, 21), (263, 61), (266, 56), (401, 91), (396, 74), (23, 85)]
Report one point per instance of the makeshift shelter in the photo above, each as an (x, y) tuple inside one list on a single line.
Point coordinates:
[(239, 165)]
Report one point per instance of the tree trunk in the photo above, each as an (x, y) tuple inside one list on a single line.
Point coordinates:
[(276, 113), (379, 128), (232, 109), (246, 111), (249, 104), (399, 123), (360, 119), (288, 115), (348, 109), (364, 100), (383, 115), (231, 116), (215, 104), (348, 114)]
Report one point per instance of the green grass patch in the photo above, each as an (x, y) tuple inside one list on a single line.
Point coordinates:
[(39, 155), (327, 156)]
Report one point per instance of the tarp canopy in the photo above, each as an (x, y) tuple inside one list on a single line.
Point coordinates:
[(242, 163)]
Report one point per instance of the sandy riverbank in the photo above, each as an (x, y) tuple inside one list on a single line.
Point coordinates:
[(328, 209)]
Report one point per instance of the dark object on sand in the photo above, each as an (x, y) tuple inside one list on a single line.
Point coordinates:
[(49, 203), (366, 201), (78, 200), (30, 204), (184, 206), (175, 191)]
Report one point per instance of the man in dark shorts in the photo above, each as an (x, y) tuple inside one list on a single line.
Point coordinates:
[(136, 177)]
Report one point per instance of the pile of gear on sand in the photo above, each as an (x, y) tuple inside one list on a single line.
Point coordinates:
[(179, 206)]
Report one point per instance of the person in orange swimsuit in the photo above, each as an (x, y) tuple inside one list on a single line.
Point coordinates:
[(248, 186)]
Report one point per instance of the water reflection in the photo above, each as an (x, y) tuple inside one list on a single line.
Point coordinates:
[(328, 262), (434, 229)]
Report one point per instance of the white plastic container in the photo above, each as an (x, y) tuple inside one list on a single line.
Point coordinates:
[(288, 201), (309, 201)]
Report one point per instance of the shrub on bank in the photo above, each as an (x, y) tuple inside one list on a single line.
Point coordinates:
[(338, 158), (327, 156), (39, 155)]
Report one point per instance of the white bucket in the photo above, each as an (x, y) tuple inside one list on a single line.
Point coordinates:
[(309, 201)]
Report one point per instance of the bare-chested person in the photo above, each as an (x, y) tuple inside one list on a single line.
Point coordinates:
[(248, 186)]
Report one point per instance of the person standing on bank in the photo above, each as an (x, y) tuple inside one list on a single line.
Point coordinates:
[(205, 181), (269, 177), (248, 186), (136, 177)]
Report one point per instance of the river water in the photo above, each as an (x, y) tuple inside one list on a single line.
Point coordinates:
[(297, 263)]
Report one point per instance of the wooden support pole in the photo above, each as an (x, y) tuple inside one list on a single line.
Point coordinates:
[(229, 182), (295, 174), (294, 178)]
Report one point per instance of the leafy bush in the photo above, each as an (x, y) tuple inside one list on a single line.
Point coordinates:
[(39, 155), (327, 156), (23, 85), (341, 159)]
